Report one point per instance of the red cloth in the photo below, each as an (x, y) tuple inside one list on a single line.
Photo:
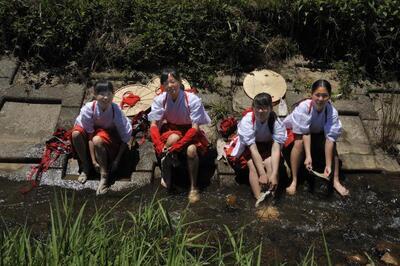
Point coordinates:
[(200, 140), (227, 126), (184, 141), (129, 99), (156, 138), (264, 148), (290, 137)]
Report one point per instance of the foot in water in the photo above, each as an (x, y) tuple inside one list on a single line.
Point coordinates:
[(82, 178), (291, 190), (194, 196), (103, 186), (342, 190)]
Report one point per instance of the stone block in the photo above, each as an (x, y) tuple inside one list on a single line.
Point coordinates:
[(353, 139), (67, 117), (146, 157), (15, 171), (361, 105), (357, 162), (385, 162), (7, 67), (26, 127)]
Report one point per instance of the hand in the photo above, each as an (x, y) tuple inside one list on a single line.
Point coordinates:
[(96, 166), (327, 171), (114, 166), (273, 182), (308, 163), (263, 180)]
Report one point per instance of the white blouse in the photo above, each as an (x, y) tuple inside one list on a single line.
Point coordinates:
[(90, 120), (250, 132), (181, 112), (305, 119)]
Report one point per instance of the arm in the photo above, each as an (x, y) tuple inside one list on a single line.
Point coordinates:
[(329, 145), (275, 158), (156, 137), (307, 150)]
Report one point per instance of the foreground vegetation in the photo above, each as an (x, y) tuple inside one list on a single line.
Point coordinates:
[(147, 237), (201, 37)]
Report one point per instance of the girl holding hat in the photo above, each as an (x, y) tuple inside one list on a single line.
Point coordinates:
[(100, 135), (316, 127), (258, 145), (175, 118)]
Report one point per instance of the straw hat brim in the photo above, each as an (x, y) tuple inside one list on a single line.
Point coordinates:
[(265, 81), (146, 98), (155, 84)]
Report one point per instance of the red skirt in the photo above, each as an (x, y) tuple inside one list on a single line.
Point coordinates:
[(240, 163), (200, 140), (110, 137)]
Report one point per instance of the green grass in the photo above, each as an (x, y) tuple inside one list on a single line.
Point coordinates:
[(147, 237)]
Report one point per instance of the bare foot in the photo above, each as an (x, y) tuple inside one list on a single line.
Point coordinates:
[(343, 191), (291, 190), (103, 187), (82, 178), (194, 196)]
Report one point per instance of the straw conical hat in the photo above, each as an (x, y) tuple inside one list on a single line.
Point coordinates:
[(146, 98), (265, 81), (155, 84)]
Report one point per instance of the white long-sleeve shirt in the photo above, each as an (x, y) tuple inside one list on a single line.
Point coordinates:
[(90, 120), (181, 112), (250, 132), (305, 119)]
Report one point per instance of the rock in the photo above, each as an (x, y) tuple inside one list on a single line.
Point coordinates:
[(373, 130), (210, 99), (240, 100), (390, 259), (353, 139), (361, 105), (146, 157), (211, 133), (67, 117), (357, 259), (226, 81), (231, 201), (357, 162), (8, 66), (385, 162)]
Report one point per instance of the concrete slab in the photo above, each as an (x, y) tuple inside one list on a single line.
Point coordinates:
[(146, 157), (15, 171), (26, 127), (373, 130), (361, 105), (357, 162), (353, 139), (385, 162), (7, 67), (67, 117), (71, 94)]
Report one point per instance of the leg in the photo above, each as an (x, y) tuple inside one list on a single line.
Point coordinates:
[(296, 156), (342, 190), (102, 158), (193, 168), (79, 142), (166, 165), (253, 179)]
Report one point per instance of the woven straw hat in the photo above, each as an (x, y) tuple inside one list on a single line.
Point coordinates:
[(146, 98), (155, 84), (265, 81)]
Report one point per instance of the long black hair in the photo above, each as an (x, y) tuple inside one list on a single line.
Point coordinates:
[(264, 99), (170, 71)]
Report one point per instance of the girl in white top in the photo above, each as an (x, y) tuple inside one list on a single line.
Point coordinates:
[(315, 122), (175, 119), (256, 147), (100, 135)]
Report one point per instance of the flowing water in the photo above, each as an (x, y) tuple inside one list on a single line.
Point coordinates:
[(287, 226)]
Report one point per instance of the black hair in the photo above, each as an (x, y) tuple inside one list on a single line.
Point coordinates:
[(321, 83), (170, 71), (102, 86), (264, 99)]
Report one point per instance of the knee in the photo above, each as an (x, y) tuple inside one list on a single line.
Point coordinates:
[(173, 138), (97, 141), (298, 144), (191, 151), (76, 134)]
